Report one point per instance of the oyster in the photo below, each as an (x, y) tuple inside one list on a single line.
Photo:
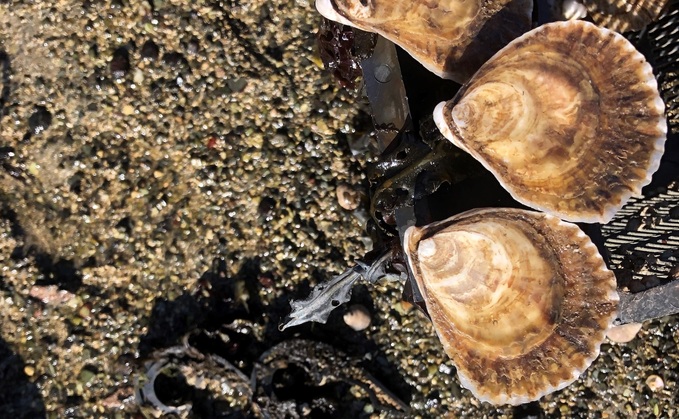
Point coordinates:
[(520, 300), (624, 15), (451, 38), (567, 117)]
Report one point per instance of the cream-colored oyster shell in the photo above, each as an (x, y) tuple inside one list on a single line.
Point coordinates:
[(451, 38), (520, 300), (567, 117), (624, 15)]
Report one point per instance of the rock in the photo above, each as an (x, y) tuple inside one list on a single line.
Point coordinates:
[(655, 383), (50, 294), (403, 307), (138, 77), (348, 197), (128, 110), (29, 370), (237, 85), (624, 333), (357, 317)]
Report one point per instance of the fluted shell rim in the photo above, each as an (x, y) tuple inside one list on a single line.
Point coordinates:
[(598, 337), (655, 156)]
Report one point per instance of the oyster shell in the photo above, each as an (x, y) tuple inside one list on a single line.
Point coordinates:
[(451, 38), (624, 15), (520, 300), (567, 117)]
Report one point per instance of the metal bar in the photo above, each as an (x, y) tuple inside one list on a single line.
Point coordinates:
[(386, 92), (653, 303)]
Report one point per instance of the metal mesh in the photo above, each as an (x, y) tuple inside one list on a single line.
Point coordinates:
[(643, 239), (660, 44)]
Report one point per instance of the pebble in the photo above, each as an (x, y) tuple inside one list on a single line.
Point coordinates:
[(624, 333), (655, 383), (138, 77), (348, 197), (357, 317), (128, 110), (403, 307), (86, 376), (50, 294), (29, 370), (220, 73), (237, 85)]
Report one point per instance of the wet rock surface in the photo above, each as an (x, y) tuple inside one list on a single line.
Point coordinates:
[(172, 170)]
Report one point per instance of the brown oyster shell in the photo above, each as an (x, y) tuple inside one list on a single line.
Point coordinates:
[(624, 15), (520, 300), (567, 117), (451, 38)]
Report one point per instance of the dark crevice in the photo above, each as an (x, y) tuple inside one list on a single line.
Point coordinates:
[(19, 397), (5, 72), (61, 272)]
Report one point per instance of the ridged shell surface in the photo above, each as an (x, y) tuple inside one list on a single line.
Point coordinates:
[(567, 117), (520, 300), (624, 15), (451, 38)]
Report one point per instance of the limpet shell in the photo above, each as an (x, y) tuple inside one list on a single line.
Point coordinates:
[(567, 117), (520, 300), (451, 38)]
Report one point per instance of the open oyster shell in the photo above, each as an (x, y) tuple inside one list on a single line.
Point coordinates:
[(624, 15), (520, 300), (567, 117), (451, 38)]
